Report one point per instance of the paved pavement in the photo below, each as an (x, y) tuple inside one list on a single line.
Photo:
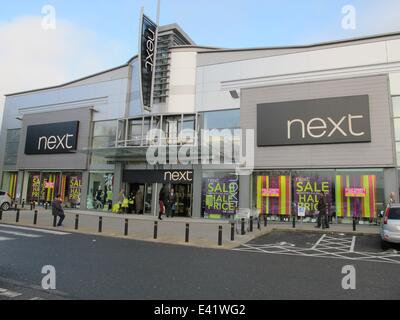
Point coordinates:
[(202, 233), (95, 267)]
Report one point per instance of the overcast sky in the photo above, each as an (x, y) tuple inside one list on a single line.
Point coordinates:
[(92, 36)]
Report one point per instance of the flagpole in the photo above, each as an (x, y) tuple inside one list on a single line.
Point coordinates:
[(155, 55)]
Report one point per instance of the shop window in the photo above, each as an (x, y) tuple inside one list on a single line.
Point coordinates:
[(100, 192), (220, 197), (356, 196), (71, 188), (273, 195), (10, 183)]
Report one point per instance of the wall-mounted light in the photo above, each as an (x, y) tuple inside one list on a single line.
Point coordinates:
[(234, 94)]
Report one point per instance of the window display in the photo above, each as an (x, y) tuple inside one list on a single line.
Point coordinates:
[(100, 191), (273, 195)]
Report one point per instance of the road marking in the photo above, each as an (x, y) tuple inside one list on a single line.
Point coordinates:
[(5, 239), (20, 234), (34, 229), (353, 244), (9, 294), (36, 298), (318, 242)]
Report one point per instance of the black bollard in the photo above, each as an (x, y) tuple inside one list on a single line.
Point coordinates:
[(232, 232), (34, 205), (258, 223), (354, 224), (265, 220), (187, 233), (16, 206), (243, 232), (155, 236), (220, 235), (126, 231), (251, 224), (35, 218), (100, 224), (23, 204), (31, 206), (45, 206), (77, 222), (294, 222), (55, 221), (1, 215), (17, 218)]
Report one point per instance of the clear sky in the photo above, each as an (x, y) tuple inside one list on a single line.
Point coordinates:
[(95, 35)]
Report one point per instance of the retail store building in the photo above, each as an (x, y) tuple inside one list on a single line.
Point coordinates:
[(325, 117)]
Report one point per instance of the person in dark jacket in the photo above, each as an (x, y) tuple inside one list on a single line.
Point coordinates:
[(172, 203), (322, 208), (57, 210)]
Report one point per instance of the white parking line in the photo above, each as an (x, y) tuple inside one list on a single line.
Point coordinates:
[(20, 234), (9, 294), (318, 242), (6, 239), (353, 244), (34, 229)]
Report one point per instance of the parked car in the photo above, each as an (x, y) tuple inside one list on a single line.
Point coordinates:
[(5, 201), (390, 228)]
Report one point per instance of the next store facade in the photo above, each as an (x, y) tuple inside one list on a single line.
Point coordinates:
[(325, 118)]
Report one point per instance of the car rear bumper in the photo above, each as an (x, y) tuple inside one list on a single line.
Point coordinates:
[(392, 237)]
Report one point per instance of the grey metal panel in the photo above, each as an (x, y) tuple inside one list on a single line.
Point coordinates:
[(378, 153), (75, 161)]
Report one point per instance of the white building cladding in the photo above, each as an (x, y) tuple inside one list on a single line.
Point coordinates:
[(202, 82)]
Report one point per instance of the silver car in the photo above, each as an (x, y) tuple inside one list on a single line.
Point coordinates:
[(5, 201), (390, 228)]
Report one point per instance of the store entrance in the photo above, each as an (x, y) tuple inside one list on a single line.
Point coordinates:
[(143, 198), (184, 199)]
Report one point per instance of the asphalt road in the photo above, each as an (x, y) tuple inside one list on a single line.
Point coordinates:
[(95, 267)]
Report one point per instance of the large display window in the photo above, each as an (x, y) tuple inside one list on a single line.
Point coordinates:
[(100, 192), (9, 184), (220, 197), (349, 193), (43, 187)]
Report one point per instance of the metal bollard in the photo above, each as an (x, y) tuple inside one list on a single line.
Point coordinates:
[(35, 216), (232, 232), (17, 218), (55, 221), (23, 204), (77, 222), (265, 220), (34, 205), (1, 215), (258, 223), (220, 235), (251, 224), (100, 224), (243, 232), (31, 206), (155, 236), (16, 206), (354, 224), (126, 231), (294, 222), (45, 206), (187, 233)]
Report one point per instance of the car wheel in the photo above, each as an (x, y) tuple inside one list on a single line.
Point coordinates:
[(5, 206), (385, 245)]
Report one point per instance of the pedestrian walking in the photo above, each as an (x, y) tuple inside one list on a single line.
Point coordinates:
[(139, 201), (131, 203), (172, 203), (57, 210), (322, 208), (391, 199)]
